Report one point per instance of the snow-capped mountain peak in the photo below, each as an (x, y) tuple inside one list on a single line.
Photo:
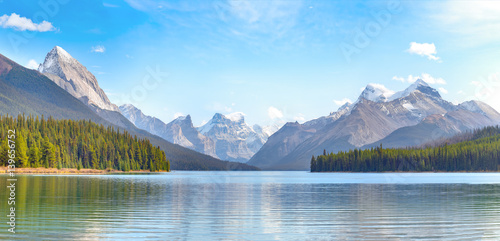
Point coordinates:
[(345, 106), (419, 85), (376, 93), (53, 59), (183, 119), (481, 108), (234, 139), (379, 93), (64, 70)]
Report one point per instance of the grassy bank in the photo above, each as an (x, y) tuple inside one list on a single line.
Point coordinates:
[(65, 171)]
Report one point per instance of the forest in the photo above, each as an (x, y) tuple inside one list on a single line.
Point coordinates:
[(475, 151), (51, 143)]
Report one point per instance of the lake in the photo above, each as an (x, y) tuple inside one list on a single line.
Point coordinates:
[(256, 206)]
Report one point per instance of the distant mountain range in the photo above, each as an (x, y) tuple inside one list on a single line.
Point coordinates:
[(410, 117), (65, 89), (226, 137)]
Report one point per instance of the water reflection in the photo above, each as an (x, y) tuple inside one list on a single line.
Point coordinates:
[(250, 205)]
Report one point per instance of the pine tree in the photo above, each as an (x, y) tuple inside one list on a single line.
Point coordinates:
[(21, 151)]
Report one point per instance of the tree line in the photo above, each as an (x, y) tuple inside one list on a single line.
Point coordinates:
[(79, 144), (477, 150)]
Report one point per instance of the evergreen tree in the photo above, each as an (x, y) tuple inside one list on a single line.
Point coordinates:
[(21, 151)]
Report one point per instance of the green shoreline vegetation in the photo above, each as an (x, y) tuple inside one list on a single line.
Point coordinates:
[(475, 151), (51, 143)]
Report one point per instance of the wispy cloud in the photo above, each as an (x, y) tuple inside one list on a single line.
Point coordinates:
[(219, 107), (15, 21), (299, 117), (275, 18), (98, 49), (424, 76), (274, 113), (486, 90), (32, 64), (423, 49), (443, 90), (342, 101), (475, 22), (178, 114), (109, 5)]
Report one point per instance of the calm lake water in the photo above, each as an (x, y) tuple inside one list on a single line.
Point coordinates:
[(256, 206)]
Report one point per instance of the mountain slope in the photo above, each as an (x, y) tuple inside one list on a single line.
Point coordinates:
[(64, 70), (380, 115), (25, 91), (29, 92), (69, 74), (434, 127), (475, 151), (286, 139)]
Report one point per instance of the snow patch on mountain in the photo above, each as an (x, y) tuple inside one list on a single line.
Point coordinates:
[(376, 93)]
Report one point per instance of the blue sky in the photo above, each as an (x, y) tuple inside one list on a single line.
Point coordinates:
[(272, 60)]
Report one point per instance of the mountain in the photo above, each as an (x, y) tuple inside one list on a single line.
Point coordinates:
[(227, 137), (286, 139), (475, 151), (64, 70), (25, 91), (180, 131), (404, 118), (234, 139), (69, 74), (468, 115)]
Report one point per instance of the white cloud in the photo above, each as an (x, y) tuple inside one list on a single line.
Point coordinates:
[(299, 117), (424, 76), (443, 90), (32, 64), (219, 107), (249, 17), (252, 11), (423, 49), (486, 90), (471, 22), (178, 114), (274, 113), (98, 49), (109, 5), (342, 101), (19, 23)]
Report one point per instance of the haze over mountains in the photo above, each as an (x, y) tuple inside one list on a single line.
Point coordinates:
[(396, 119)]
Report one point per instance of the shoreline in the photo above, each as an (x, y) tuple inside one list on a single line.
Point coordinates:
[(67, 171)]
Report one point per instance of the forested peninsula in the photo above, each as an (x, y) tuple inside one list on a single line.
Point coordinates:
[(33, 142), (474, 151)]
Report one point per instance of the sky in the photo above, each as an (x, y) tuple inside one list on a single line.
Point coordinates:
[(274, 61)]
